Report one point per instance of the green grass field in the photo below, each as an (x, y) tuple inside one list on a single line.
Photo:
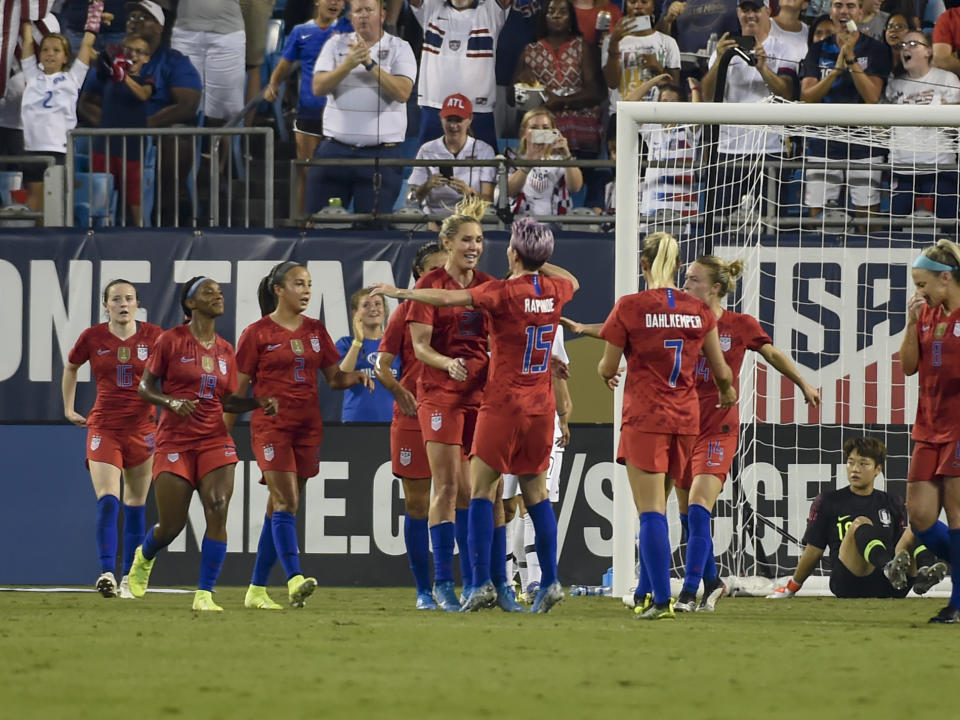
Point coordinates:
[(365, 653)]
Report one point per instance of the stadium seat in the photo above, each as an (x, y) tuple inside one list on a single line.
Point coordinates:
[(272, 54), (94, 200), (578, 227)]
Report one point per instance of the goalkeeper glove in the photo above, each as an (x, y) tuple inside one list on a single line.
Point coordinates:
[(120, 67), (788, 590)]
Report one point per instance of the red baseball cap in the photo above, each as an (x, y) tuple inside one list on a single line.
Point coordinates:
[(456, 105)]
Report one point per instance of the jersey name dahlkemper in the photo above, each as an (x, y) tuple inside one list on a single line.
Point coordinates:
[(673, 320), (538, 305)]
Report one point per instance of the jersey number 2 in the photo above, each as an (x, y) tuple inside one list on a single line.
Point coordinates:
[(677, 347)]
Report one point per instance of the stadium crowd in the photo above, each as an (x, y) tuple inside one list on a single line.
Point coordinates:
[(534, 79)]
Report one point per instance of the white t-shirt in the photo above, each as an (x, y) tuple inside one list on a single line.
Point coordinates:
[(11, 101), (544, 192), (671, 183), (799, 36), (632, 48), (923, 145), (459, 50), (745, 84), (443, 198), (49, 107), (358, 112)]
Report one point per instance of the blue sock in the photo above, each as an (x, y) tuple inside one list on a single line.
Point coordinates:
[(151, 546), (937, 540), (955, 568), (418, 550), (685, 526), (212, 554), (710, 573), (698, 546), (643, 577), (285, 541), (481, 539), (108, 508), (442, 537), (545, 533), (655, 549), (498, 556), (462, 526), (266, 555), (134, 528)]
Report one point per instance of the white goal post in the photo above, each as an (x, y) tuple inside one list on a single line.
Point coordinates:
[(853, 246)]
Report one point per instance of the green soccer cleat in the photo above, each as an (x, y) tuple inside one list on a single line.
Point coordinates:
[(257, 599), (140, 574), (662, 611), (203, 602), (300, 588)]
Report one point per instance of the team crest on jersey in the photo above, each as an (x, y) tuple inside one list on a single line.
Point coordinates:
[(223, 366), (268, 453), (940, 330), (123, 353), (726, 342), (884, 516), (296, 344), (406, 456), (436, 421), (454, 45), (142, 352), (94, 442), (315, 344), (956, 329), (173, 457), (207, 363)]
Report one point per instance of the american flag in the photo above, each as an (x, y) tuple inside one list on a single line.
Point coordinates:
[(16, 12)]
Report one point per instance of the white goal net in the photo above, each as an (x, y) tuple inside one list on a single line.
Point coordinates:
[(827, 205)]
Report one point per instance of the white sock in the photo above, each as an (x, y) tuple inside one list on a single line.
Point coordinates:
[(511, 553), (519, 553), (530, 550)]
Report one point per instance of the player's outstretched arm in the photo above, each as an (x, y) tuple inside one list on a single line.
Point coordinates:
[(722, 374), (337, 379), (243, 384), (785, 367), (429, 296), (237, 404), (805, 566), (555, 271), (405, 399), (588, 329), (609, 367)]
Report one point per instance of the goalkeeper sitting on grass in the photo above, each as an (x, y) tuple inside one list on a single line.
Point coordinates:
[(866, 531)]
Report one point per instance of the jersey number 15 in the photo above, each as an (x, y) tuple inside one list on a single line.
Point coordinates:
[(538, 340)]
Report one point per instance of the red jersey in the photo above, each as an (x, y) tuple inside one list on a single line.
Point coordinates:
[(738, 332), (524, 312), (661, 332), (117, 366), (190, 371), (396, 341), (458, 332), (938, 405), (284, 364)]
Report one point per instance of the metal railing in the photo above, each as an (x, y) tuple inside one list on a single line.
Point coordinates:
[(52, 213), (170, 162)]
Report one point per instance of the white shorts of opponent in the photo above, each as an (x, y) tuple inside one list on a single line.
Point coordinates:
[(511, 483)]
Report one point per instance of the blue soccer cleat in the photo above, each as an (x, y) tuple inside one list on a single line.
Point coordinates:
[(547, 597), (506, 600), (446, 596), (466, 593), (480, 598), (425, 601)]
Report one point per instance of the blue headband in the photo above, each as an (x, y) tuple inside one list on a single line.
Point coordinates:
[(198, 283), (924, 263)]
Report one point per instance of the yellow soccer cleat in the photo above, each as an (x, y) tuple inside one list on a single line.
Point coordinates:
[(657, 612), (203, 601), (300, 588), (139, 576), (257, 598), (645, 603)]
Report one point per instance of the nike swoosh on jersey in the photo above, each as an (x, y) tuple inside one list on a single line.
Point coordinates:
[(271, 348), (926, 327), (712, 464), (186, 359), (102, 352)]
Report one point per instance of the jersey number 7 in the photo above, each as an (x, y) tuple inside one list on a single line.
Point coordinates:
[(677, 347)]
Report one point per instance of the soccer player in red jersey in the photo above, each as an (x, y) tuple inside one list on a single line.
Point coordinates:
[(281, 353), (407, 451), (194, 450), (661, 331), (710, 279), (514, 431), (931, 347), (451, 342), (120, 428)]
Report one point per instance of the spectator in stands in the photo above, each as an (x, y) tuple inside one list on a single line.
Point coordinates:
[(821, 28), (210, 33), (368, 76), (848, 67), (256, 17), (873, 20), (566, 66), (946, 38), (635, 52), (304, 44), (73, 18), (358, 352), (459, 50), (542, 190), (897, 26), (920, 84), (592, 25), (439, 189), (125, 106), (175, 98), (692, 22), (11, 126), (787, 20)]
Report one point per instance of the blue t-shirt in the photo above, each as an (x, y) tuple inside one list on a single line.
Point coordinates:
[(873, 56), (701, 18), (304, 43), (122, 109), (359, 404), (169, 69)]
